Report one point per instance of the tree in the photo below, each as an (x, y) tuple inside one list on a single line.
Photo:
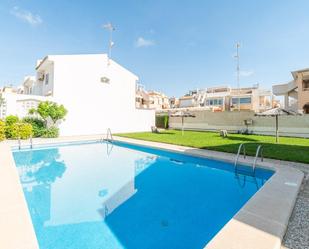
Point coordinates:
[(306, 108), (50, 111)]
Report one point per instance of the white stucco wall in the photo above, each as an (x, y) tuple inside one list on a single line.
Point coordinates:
[(19, 104), (295, 126), (94, 106)]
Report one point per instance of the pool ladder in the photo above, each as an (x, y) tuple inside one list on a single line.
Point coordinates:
[(19, 143), (109, 136), (259, 151)]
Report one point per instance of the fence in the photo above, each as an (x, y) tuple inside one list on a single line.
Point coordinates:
[(296, 126)]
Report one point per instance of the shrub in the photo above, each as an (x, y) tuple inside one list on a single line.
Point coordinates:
[(2, 130), (20, 130), (162, 121), (38, 125), (11, 119), (51, 132), (9, 122)]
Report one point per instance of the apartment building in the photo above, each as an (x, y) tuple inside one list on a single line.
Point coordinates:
[(191, 99), (150, 99), (296, 91), (97, 92), (174, 102), (224, 98)]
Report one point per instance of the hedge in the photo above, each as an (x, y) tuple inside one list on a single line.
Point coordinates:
[(162, 121)]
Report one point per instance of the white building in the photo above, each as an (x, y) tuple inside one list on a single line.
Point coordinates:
[(97, 94), (295, 92), (227, 98), (18, 104)]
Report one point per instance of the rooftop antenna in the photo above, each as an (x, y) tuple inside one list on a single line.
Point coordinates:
[(110, 28), (237, 71)]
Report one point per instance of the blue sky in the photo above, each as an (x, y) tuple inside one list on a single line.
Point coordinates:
[(173, 46)]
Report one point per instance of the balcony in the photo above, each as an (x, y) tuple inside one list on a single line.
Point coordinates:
[(284, 88)]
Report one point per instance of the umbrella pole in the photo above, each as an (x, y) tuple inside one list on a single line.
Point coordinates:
[(277, 130), (182, 126)]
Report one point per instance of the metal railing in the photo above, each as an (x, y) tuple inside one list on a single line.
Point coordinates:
[(109, 136), (259, 150), (19, 143), (109, 132), (241, 146)]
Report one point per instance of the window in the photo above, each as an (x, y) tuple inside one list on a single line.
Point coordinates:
[(46, 79), (211, 102), (246, 100), (305, 85)]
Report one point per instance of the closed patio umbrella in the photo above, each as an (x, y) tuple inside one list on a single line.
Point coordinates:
[(183, 115), (276, 112)]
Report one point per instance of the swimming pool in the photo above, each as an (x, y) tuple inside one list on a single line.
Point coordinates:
[(102, 195)]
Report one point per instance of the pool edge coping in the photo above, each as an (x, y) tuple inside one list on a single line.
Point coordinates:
[(254, 221)]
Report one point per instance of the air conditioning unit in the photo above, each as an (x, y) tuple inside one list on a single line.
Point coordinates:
[(105, 80), (41, 76)]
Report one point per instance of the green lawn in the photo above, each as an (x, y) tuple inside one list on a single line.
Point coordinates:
[(289, 149)]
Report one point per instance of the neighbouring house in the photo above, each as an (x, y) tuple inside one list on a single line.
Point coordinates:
[(296, 91), (150, 99), (15, 103), (252, 98), (98, 93), (31, 87), (190, 99), (224, 98), (174, 102)]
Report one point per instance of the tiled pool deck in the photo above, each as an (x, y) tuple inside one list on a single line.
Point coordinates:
[(260, 224)]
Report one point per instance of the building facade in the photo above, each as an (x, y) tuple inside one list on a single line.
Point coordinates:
[(98, 93), (17, 104), (295, 92), (225, 98), (150, 99)]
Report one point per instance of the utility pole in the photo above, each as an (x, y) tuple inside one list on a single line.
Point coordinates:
[(237, 71), (110, 28)]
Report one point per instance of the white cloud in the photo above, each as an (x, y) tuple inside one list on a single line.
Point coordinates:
[(26, 16), (142, 42), (246, 73)]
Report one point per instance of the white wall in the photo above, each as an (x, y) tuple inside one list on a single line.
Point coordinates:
[(296, 126), (94, 106), (19, 104)]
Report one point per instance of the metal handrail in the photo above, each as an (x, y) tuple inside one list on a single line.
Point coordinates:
[(241, 146), (19, 143), (31, 144), (258, 151), (109, 132)]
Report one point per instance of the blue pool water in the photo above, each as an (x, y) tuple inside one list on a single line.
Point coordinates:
[(99, 195)]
